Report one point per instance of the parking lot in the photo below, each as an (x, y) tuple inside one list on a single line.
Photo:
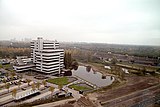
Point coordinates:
[(24, 89)]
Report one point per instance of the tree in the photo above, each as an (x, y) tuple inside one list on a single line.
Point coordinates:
[(1, 66), (28, 81), (33, 87), (44, 82), (7, 74), (114, 61), (38, 84), (67, 59), (4, 80), (60, 86), (19, 84), (11, 78), (121, 75), (88, 68), (51, 89), (13, 74), (143, 70), (158, 70), (7, 86), (89, 57), (14, 92), (74, 64), (21, 76)]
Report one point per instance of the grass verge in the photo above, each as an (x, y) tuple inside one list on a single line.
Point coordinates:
[(78, 87), (59, 81)]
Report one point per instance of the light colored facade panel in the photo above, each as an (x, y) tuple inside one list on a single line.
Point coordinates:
[(47, 56)]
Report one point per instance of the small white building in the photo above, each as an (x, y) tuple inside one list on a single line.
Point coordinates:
[(23, 63), (125, 70), (107, 67)]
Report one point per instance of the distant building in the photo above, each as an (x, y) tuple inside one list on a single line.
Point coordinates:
[(47, 56)]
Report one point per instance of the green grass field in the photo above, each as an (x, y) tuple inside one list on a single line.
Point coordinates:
[(78, 88), (59, 81)]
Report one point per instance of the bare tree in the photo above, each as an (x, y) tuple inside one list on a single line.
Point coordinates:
[(7, 86), (19, 84), (14, 92), (38, 84), (33, 87), (28, 81), (44, 82), (51, 88)]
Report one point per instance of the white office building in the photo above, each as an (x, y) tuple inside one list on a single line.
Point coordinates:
[(47, 56)]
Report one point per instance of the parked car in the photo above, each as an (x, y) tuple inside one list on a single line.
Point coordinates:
[(23, 81), (15, 78), (15, 83), (47, 86), (23, 89), (81, 92)]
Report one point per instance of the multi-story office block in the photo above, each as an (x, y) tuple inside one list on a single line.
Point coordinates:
[(47, 56)]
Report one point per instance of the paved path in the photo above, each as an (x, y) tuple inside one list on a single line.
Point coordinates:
[(41, 96), (38, 97), (74, 82), (6, 99), (28, 90)]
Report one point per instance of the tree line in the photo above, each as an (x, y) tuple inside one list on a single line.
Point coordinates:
[(10, 52), (69, 62)]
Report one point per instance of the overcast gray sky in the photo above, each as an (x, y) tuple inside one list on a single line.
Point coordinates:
[(104, 21)]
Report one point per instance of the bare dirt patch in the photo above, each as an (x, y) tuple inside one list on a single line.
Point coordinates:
[(134, 83)]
